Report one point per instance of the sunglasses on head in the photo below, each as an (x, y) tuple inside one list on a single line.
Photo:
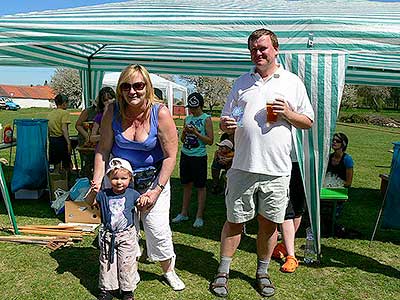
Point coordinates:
[(137, 86)]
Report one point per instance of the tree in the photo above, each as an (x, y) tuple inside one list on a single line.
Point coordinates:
[(374, 96), (215, 90), (395, 94), (349, 98), (66, 81)]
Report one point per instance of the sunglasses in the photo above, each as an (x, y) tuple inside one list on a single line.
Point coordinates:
[(137, 86), (337, 141)]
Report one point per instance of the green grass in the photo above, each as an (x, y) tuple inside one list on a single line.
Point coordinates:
[(350, 269)]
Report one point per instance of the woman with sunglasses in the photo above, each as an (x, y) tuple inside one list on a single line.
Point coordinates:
[(138, 129), (340, 165)]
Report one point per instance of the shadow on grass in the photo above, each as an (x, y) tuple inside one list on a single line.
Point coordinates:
[(338, 258), (32, 208), (83, 263), (360, 214)]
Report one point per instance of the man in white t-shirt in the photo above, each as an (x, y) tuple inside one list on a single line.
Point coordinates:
[(258, 181)]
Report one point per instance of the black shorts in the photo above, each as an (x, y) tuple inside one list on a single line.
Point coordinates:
[(58, 151), (193, 169), (297, 200)]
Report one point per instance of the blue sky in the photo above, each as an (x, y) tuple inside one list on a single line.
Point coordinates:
[(35, 76)]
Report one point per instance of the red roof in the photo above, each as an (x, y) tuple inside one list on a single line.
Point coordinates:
[(27, 92)]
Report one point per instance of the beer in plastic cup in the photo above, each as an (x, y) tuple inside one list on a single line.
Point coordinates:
[(271, 115)]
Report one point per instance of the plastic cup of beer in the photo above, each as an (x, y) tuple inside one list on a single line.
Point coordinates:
[(271, 115)]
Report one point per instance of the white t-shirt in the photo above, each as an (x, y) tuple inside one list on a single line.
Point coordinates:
[(260, 147)]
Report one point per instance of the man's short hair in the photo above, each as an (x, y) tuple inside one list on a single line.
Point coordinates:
[(60, 99), (255, 35)]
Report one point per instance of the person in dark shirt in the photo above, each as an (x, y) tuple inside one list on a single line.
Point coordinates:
[(340, 165)]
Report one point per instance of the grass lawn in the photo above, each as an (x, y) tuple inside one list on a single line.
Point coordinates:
[(350, 268)]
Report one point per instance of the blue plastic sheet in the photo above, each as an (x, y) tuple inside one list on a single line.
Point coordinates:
[(391, 213), (31, 165)]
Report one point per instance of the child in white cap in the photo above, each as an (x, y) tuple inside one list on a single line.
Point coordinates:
[(223, 158), (118, 237)]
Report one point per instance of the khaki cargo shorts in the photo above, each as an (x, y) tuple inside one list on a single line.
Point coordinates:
[(248, 194)]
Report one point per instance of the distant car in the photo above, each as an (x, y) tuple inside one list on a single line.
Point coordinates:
[(9, 104)]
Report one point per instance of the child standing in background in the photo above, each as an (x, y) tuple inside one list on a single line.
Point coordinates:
[(197, 133), (223, 158), (59, 143)]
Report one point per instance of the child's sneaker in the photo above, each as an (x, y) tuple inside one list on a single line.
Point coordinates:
[(105, 295), (180, 218), (174, 281), (198, 223), (127, 296)]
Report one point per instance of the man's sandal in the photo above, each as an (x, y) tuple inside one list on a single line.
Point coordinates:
[(279, 251), (264, 285), (290, 264), (221, 286)]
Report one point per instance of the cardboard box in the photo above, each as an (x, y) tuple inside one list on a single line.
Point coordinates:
[(81, 212)]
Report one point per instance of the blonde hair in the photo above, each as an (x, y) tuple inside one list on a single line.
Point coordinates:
[(115, 171), (126, 74)]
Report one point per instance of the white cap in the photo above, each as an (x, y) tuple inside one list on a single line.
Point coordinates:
[(118, 163), (226, 143)]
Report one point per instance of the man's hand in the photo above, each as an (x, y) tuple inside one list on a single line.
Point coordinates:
[(281, 107)]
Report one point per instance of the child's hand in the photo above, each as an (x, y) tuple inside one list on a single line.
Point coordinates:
[(143, 202), (224, 160), (190, 128), (151, 197), (95, 186)]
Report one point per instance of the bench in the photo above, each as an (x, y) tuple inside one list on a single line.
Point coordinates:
[(333, 196)]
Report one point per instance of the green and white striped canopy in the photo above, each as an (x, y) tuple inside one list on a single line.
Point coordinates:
[(205, 37), (325, 42)]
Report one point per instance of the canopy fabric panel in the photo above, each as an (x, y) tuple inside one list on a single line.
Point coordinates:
[(205, 37), (91, 82), (323, 75)]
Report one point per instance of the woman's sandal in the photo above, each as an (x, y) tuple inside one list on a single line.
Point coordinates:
[(279, 251), (262, 285), (217, 285), (290, 264)]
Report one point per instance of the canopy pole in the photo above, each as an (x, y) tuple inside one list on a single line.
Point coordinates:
[(7, 201)]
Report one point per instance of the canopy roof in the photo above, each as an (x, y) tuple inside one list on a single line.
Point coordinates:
[(205, 37)]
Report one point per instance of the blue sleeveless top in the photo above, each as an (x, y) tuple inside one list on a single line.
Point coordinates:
[(139, 154)]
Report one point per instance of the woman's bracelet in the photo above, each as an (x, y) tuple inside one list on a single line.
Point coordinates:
[(162, 187)]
